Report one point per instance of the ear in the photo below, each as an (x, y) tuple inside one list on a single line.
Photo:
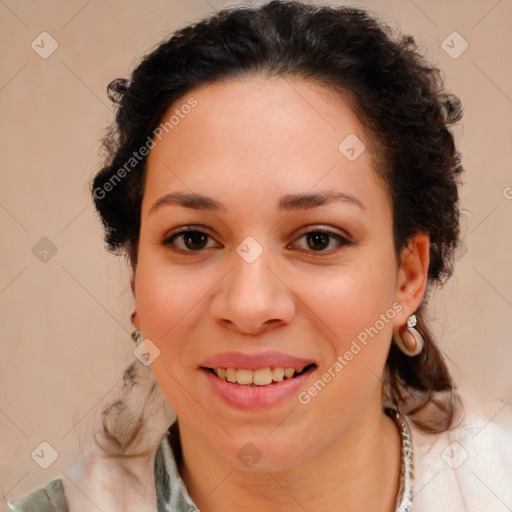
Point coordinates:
[(135, 317), (132, 284), (412, 277)]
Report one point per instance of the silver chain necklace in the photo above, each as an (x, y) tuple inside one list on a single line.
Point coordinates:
[(405, 490)]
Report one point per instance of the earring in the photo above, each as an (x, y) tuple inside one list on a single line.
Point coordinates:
[(409, 340), (136, 336)]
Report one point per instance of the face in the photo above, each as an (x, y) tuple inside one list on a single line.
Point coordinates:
[(266, 256)]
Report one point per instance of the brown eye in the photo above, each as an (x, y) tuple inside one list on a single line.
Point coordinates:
[(320, 240), (317, 240), (191, 240)]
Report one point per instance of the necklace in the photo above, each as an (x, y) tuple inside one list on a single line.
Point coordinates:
[(404, 498)]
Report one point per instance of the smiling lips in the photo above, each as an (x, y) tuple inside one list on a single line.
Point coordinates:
[(254, 381), (259, 369)]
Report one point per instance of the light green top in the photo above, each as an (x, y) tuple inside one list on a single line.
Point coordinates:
[(172, 495)]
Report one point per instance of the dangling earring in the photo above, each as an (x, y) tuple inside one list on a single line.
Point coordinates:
[(409, 340), (136, 336)]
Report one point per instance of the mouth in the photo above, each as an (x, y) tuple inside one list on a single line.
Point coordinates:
[(267, 376), (256, 381)]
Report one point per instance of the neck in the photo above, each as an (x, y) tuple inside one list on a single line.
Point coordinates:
[(358, 471)]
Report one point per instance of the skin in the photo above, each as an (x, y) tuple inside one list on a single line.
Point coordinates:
[(248, 142)]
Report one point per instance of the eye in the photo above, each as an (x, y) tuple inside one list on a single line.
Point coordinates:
[(195, 240), (192, 240), (320, 239)]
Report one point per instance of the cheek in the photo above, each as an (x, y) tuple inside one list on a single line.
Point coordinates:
[(165, 295), (168, 302), (351, 302), (356, 316)]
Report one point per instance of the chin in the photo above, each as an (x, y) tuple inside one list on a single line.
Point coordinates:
[(267, 450), (264, 455)]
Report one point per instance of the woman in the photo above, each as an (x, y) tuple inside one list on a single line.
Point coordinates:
[(284, 184)]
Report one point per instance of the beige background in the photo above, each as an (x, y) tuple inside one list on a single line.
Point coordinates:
[(65, 322)]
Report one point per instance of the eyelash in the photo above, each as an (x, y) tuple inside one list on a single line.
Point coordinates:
[(190, 229)]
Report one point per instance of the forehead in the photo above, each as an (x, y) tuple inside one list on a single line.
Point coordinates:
[(257, 135)]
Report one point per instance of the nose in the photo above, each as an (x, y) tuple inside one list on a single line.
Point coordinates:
[(253, 298)]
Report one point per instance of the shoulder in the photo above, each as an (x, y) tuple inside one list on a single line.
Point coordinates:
[(468, 468), (50, 498)]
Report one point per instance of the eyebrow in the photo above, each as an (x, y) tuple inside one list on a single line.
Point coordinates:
[(288, 202)]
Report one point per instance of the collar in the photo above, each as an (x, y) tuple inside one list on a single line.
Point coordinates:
[(172, 495)]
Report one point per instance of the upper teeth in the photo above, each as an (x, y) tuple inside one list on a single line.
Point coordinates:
[(261, 377)]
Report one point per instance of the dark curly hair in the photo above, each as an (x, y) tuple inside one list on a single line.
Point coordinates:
[(396, 94)]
